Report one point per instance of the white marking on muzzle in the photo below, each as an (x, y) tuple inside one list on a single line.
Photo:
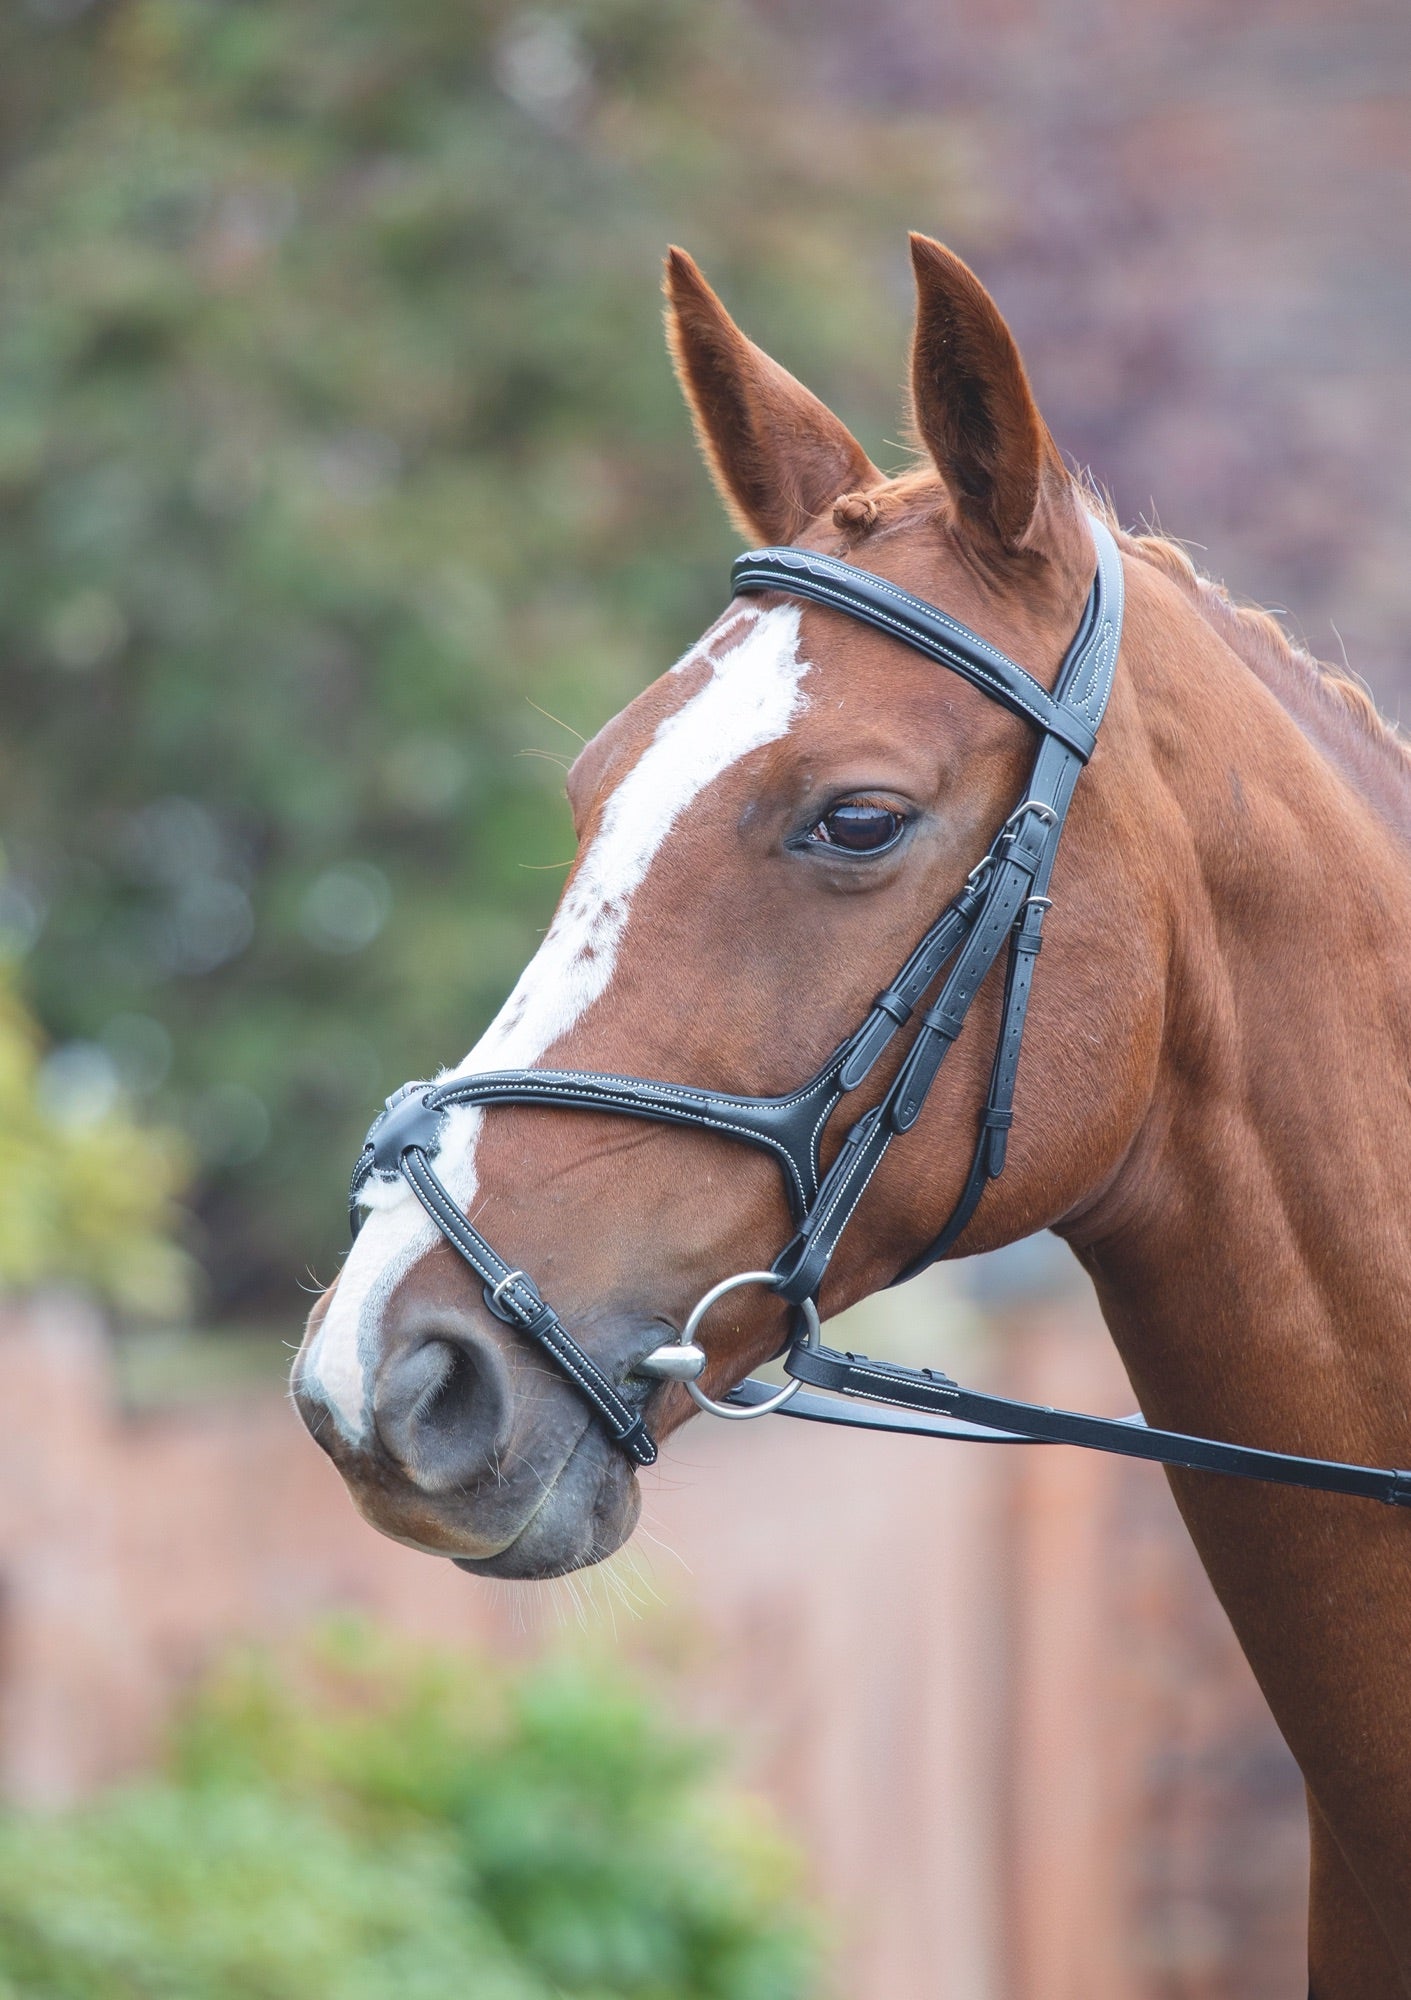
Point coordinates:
[(751, 698)]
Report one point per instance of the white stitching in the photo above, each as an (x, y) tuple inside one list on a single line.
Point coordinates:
[(593, 1078), (565, 1349), (1052, 712), (604, 1096), (861, 1191), (897, 1402), (1055, 718)]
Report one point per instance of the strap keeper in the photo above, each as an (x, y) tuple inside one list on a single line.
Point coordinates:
[(1025, 836), (996, 1120), (890, 1002), (545, 1321), (941, 1021), (636, 1440)]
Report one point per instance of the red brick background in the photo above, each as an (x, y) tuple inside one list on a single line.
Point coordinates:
[(988, 1689)]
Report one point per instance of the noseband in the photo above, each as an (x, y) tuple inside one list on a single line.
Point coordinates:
[(1000, 910)]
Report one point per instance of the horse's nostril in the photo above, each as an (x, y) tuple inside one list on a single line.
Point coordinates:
[(450, 1384), (442, 1408)]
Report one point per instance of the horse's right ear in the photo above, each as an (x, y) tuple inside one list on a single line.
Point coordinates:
[(778, 456), (975, 414)]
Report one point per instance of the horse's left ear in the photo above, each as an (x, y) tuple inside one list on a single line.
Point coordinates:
[(975, 413)]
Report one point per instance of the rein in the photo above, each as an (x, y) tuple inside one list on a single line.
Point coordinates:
[(1000, 910)]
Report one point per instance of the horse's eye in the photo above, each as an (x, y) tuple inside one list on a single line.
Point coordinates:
[(859, 826)]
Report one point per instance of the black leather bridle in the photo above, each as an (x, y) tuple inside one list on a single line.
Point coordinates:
[(999, 911)]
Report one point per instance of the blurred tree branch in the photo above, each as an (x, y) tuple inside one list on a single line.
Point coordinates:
[(334, 423)]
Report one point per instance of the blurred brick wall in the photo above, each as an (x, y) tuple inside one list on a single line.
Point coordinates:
[(988, 1688)]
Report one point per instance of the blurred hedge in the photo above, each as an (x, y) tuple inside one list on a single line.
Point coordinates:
[(335, 434), (406, 1831), (88, 1196)]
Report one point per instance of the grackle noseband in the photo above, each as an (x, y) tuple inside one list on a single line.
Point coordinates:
[(1000, 909)]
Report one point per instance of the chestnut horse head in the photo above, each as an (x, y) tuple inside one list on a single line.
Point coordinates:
[(762, 835), (1212, 1101)]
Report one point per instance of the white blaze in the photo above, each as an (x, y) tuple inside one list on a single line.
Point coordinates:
[(750, 699)]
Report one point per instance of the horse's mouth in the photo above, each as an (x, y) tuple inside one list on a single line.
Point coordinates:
[(586, 1513), (530, 1523)]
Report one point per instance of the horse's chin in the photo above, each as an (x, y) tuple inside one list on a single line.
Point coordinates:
[(587, 1513)]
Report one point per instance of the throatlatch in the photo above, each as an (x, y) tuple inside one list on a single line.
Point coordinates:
[(1000, 909)]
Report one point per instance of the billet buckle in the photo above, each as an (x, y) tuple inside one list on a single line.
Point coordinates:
[(1045, 812), (494, 1296)]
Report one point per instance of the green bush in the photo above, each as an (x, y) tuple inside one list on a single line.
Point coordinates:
[(407, 1832), (88, 1195), (335, 429)]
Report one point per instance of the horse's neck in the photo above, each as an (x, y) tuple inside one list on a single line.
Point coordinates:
[(1270, 1188), (1254, 1254)]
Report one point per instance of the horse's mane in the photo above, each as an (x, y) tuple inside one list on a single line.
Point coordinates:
[(1262, 643)]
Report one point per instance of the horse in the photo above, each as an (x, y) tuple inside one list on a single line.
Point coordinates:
[(1212, 1109)]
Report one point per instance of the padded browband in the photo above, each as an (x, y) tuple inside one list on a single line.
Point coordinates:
[(874, 601)]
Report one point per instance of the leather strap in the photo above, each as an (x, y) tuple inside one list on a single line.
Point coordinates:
[(413, 1117), (800, 1266), (928, 1391), (1085, 683), (513, 1298), (874, 601), (750, 1393)]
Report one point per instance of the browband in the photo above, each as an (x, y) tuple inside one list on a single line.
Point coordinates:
[(873, 601)]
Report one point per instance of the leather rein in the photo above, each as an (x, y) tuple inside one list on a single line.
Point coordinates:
[(999, 911)]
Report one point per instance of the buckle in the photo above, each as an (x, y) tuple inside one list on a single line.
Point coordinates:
[(1045, 812), (1026, 843)]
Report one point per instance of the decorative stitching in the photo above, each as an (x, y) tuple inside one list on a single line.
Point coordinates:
[(882, 1154), (877, 1396), (837, 591), (509, 1085), (825, 1215)]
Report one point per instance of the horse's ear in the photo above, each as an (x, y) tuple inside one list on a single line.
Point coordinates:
[(974, 411), (778, 455)]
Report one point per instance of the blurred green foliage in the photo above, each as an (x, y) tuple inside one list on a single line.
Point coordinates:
[(336, 441), (88, 1198), (403, 1830)]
